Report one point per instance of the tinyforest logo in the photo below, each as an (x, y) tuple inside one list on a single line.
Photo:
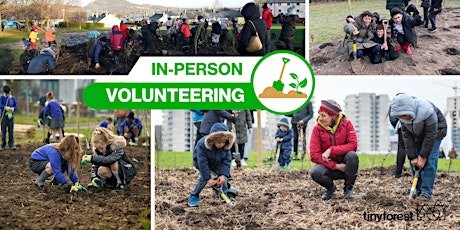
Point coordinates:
[(424, 212)]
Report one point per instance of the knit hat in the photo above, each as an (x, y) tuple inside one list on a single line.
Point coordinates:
[(331, 107), (103, 39), (377, 15)]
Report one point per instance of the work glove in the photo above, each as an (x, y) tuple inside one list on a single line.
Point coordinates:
[(97, 183), (77, 187), (97, 66), (86, 159), (7, 108)]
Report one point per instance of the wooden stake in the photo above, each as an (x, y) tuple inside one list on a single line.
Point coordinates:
[(259, 138)]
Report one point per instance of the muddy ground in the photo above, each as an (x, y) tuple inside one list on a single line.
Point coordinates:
[(438, 53), (23, 206), (272, 199)]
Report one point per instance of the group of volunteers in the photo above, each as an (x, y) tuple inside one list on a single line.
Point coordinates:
[(333, 146), (367, 32), (111, 165)]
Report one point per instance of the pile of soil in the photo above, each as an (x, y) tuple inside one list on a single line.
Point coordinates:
[(438, 53), (24, 206), (273, 199)]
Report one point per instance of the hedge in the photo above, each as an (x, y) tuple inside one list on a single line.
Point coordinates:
[(84, 25)]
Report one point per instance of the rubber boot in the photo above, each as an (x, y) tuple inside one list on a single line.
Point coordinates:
[(408, 50), (398, 48)]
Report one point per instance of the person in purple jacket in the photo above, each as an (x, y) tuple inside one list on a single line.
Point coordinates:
[(105, 123), (56, 159), (54, 110), (8, 106), (130, 128)]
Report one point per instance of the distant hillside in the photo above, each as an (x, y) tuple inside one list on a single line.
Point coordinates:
[(122, 7)]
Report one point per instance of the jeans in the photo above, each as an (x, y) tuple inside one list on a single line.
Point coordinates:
[(7, 123), (428, 174), (433, 18), (325, 176), (201, 183)]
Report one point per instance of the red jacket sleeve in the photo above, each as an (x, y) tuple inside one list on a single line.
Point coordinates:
[(316, 151), (350, 143)]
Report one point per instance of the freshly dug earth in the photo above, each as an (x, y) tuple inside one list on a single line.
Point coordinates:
[(273, 199), (23, 206), (438, 53)]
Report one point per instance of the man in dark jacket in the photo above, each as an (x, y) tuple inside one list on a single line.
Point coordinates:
[(147, 35), (97, 53), (251, 13), (401, 4), (435, 9), (403, 29), (288, 28), (299, 121), (211, 117), (43, 63), (423, 127)]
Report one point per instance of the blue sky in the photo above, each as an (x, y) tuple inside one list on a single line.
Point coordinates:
[(185, 3)]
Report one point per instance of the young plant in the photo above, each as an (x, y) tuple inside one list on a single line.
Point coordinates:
[(301, 84)]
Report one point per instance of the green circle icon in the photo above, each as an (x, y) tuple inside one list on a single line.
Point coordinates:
[(283, 81)]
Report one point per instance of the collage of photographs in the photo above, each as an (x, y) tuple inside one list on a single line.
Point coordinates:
[(357, 129)]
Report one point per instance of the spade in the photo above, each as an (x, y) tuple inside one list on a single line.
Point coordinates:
[(278, 85)]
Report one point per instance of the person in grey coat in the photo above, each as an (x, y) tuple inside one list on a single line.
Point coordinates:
[(423, 127), (426, 6), (243, 125), (300, 120), (43, 63), (288, 28)]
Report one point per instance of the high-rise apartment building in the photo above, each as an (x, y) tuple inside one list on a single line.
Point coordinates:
[(178, 131), (368, 113)]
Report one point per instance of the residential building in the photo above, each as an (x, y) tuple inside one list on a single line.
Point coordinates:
[(283, 6), (178, 131), (368, 113), (453, 110)]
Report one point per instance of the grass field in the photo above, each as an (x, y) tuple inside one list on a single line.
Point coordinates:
[(327, 19), (184, 159)]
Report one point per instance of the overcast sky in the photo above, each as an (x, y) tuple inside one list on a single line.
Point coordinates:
[(185, 3)]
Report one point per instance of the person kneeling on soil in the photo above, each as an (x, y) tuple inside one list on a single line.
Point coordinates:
[(55, 159), (360, 33), (212, 156), (44, 62), (387, 51), (423, 127), (403, 29), (337, 159), (131, 128), (111, 166), (97, 53)]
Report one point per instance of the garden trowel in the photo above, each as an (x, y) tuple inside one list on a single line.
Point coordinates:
[(279, 85), (414, 183)]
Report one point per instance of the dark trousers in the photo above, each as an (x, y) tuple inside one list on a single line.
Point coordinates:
[(401, 155), (240, 149), (7, 124), (401, 39), (325, 176), (296, 138), (425, 16), (432, 16), (198, 134)]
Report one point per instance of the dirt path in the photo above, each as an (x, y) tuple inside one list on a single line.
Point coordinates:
[(438, 53)]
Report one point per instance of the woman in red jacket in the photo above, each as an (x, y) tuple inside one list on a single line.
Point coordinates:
[(333, 146)]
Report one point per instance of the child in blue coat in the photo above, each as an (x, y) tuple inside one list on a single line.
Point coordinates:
[(212, 156), (283, 137)]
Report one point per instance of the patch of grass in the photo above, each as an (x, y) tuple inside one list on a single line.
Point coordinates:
[(13, 35), (144, 218), (184, 160), (327, 19)]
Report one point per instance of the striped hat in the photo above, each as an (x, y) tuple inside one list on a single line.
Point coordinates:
[(331, 107)]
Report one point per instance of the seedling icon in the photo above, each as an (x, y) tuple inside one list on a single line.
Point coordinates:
[(301, 84)]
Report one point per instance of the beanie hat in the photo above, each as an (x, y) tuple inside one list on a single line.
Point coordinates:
[(331, 107), (293, 11), (349, 16), (131, 116), (377, 15), (50, 51), (103, 39)]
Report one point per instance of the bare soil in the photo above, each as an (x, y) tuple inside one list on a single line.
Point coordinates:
[(23, 206), (273, 199), (438, 53)]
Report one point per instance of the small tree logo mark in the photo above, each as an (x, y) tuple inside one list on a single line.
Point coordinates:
[(301, 84)]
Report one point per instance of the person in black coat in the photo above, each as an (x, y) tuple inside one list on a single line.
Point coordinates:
[(288, 28), (403, 29), (435, 9), (251, 13)]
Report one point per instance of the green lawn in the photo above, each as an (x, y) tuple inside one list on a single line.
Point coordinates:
[(327, 19), (184, 160)]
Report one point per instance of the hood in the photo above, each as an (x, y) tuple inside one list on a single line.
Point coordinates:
[(118, 142), (283, 122), (48, 51), (250, 11), (115, 28), (403, 104), (218, 131)]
